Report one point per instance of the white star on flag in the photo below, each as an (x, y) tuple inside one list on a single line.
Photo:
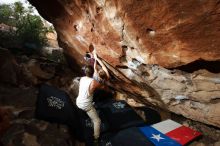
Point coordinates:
[(157, 137)]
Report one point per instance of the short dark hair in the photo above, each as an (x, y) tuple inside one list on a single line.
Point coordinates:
[(88, 70)]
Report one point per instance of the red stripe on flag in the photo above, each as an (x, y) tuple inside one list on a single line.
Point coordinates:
[(183, 134)]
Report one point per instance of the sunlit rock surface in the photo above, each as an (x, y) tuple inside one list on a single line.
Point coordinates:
[(132, 35)]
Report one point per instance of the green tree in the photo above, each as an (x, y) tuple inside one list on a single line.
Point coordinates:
[(29, 31), (5, 14), (19, 8)]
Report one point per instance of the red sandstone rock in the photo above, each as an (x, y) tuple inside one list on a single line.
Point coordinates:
[(128, 34), (167, 33), (4, 120)]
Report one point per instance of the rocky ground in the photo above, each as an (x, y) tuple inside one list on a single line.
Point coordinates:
[(20, 78), (211, 135)]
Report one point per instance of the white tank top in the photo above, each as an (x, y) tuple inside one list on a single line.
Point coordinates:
[(84, 100)]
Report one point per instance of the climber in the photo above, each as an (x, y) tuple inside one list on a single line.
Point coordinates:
[(84, 101), (89, 56), (100, 75)]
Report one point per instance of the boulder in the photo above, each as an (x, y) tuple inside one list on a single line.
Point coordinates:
[(138, 40), (8, 67)]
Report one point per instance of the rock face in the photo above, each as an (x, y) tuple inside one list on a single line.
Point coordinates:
[(8, 67), (18, 123), (17, 114), (168, 33), (128, 34)]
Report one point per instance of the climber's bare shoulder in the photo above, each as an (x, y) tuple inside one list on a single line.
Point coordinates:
[(95, 85)]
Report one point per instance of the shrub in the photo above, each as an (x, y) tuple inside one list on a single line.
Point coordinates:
[(29, 30)]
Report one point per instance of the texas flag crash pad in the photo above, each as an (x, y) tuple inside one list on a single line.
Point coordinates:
[(169, 133)]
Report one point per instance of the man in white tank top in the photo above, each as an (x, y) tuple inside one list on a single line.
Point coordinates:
[(87, 85)]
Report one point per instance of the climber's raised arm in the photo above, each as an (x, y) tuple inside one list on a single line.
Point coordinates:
[(95, 67), (102, 65)]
